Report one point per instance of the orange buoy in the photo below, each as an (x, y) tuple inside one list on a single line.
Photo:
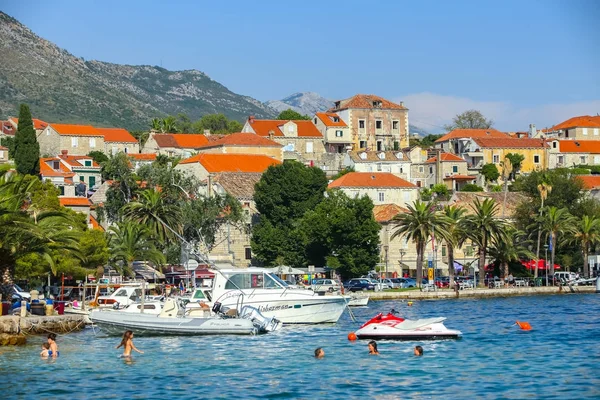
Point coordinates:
[(524, 325), (352, 336)]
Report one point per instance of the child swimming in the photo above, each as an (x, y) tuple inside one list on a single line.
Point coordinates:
[(53, 352), (45, 350), (127, 343)]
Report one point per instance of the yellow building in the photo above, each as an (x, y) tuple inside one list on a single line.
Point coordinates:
[(481, 151)]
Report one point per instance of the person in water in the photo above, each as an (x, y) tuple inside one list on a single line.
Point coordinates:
[(418, 351), (373, 347), (319, 353), (127, 343), (45, 350), (53, 352)]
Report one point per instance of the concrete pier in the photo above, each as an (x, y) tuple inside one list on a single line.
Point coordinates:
[(14, 329)]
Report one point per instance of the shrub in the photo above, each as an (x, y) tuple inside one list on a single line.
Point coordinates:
[(471, 187)]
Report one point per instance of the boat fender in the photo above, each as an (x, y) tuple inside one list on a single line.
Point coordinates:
[(525, 326), (352, 336)]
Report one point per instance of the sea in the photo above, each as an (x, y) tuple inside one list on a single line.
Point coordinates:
[(558, 359)]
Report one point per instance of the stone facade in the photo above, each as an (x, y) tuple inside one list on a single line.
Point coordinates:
[(52, 142)]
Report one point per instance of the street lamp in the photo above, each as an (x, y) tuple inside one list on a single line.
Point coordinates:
[(546, 262), (386, 248), (402, 253)]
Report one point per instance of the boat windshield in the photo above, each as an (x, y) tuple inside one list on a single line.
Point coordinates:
[(279, 280), (254, 280)]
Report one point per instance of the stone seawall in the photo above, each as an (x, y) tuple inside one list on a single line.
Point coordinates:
[(14, 329)]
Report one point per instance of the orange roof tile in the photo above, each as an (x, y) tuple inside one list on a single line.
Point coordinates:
[(366, 101), (143, 156), (446, 157), (244, 139), (116, 135), (385, 212), (459, 177), (74, 201), (472, 133), (47, 170), (37, 123), (75, 130), (95, 224), (584, 121), (370, 179), (329, 119), (181, 140), (3, 148), (590, 181), (579, 146), (510, 143), (232, 162), (262, 127)]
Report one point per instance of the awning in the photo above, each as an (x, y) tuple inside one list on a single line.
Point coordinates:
[(286, 270), (541, 264)]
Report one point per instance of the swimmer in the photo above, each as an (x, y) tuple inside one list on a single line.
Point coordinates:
[(418, 351), (45, 350), (53, 352), (319, 353), (127, 343), (373, 347)]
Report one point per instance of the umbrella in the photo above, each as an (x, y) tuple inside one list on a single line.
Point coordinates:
[(541, 265)]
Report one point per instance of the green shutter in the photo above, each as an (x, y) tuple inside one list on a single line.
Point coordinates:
[(92, 181)]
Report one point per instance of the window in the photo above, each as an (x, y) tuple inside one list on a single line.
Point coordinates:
[(309, 147), (536, 159), (584, 131), (339, 133), (378, 167), (496, 159), (363, 144), (444, 250), (125, 150), (248, 253), (596, 131), (315, 120), (289, 147), (394, 125), (400, 170), (469, 251), (245, 281), (87, 163), (554, 144), (421, 169), (378, 124), (92, 142), (596, 159), (115, 149), (55, 165), (379, 145), (74, 142), (381, 196), (560, 159), (1, 154), (361, 124), (455, 169), (431, 170), (290, 128), (92, 181), (82, 179), (582, 158)]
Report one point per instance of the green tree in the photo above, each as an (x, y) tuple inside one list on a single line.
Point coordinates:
[(557, 222), (428, 141), (455, 235), (481, 227), (130, 241), (470, 119), (216, 124), (441, 191), (471, 187), (490, 172), (93, 245), (290, 114), (157, 125), (169, 124), (516, 160), (123, 186), (27, 148), (9, 142), (98, 156), (183, 123), (419, 224), (162, 219), (586, 235), (508, 248), (343, 172)]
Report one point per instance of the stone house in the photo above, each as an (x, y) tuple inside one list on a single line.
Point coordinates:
[(177, 144), (245, 143), (584, 127), (9, 127), (139, 159), (76, 139), (419, 171), (395, 162), (591, 183), (456, 141), (481, 151), (66, 172), (380, 187), (118, 139), (566, 153), (375, 123), (204, 165), (78, 204), (336, 133), (451, 170)]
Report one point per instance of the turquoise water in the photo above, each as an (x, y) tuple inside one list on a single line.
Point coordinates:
[(559, 358)]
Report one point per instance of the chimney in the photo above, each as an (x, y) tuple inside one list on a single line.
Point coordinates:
[(63, 153), (251, 119), (207, 132), (401, 104), (532, 130), (271, 134)]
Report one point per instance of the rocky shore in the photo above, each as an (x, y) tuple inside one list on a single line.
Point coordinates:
[(15, 329)]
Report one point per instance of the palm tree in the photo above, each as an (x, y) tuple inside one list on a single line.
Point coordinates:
[(455, 237), (556, 222), (162, 219), (506, 251), (544, 189), (157, 125), (130, 241), (481, 227), (419, 224), (169, 124), (587, 234)]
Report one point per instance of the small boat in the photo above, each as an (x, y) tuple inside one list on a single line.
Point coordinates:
[(173, 320), (395, 328), (358, 301)]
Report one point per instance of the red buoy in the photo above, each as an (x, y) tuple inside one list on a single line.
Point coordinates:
[(525, 326), (352, 336)]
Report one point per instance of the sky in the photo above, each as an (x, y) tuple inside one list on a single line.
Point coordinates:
[(519, 62)]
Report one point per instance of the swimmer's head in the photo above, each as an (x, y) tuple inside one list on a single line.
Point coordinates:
[(319, 352), (418, 351)]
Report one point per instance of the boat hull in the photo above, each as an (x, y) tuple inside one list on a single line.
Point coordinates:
[(435, 331), (358, 301)]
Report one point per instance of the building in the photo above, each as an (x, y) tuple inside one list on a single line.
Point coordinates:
[(375, 123), (481, 151), (76, 139), (451, 170), (585, 127), (66, 172), (176, 144), (140, 159), (456, 140), (591, 183), (566, 153), (9, 127), (380, 187), (336, 132), (118, 139), (3, 154), (394, 162), (301, 140), (203, 166), (419, 171), (245, 143), (79, 204)]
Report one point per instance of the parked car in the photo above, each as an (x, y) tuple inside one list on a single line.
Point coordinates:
[(407, 283), (21, 293), (380, 284), (442, 282), (325, 285), (395, 283), (357, 284)]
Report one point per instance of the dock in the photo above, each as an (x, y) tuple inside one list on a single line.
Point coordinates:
[(14, 330)]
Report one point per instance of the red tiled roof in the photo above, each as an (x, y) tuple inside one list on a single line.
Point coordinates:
[(579, 146), (232, 162), (181, 140), (459, 177), (472, 133), (3, 148), (584, 121), (590, 181), (244, 139), (75, 130), (510, 143), (46, 170), (385, 212), (366, 101), (262, 127), (95, 224), (446, 157), (116, 135), (37, 123), (74, 201), (143, 156), (329, 119), (370, 179), (74, 161)]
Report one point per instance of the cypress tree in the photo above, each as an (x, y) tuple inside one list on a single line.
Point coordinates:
[(27, 148)]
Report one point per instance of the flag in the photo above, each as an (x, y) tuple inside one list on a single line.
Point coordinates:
[(550, 242)]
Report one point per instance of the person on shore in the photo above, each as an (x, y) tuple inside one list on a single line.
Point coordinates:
[(418, 351), (373, 347), (53, 352), (127, 343), (511, 280), (319, 352), (45, 350)]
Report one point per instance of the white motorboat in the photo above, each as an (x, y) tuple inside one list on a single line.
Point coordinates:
[(260, 288), (391, 327), (173, 320), (357, 300)]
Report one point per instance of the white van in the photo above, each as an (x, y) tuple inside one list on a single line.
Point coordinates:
[(564, 276)]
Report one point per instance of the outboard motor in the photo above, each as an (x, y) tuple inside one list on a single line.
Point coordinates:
[(216, 307)]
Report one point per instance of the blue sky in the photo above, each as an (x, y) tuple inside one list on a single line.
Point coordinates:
[(518, 61)]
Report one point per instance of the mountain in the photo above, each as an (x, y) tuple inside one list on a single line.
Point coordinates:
[(60, 87), (306, 103)]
